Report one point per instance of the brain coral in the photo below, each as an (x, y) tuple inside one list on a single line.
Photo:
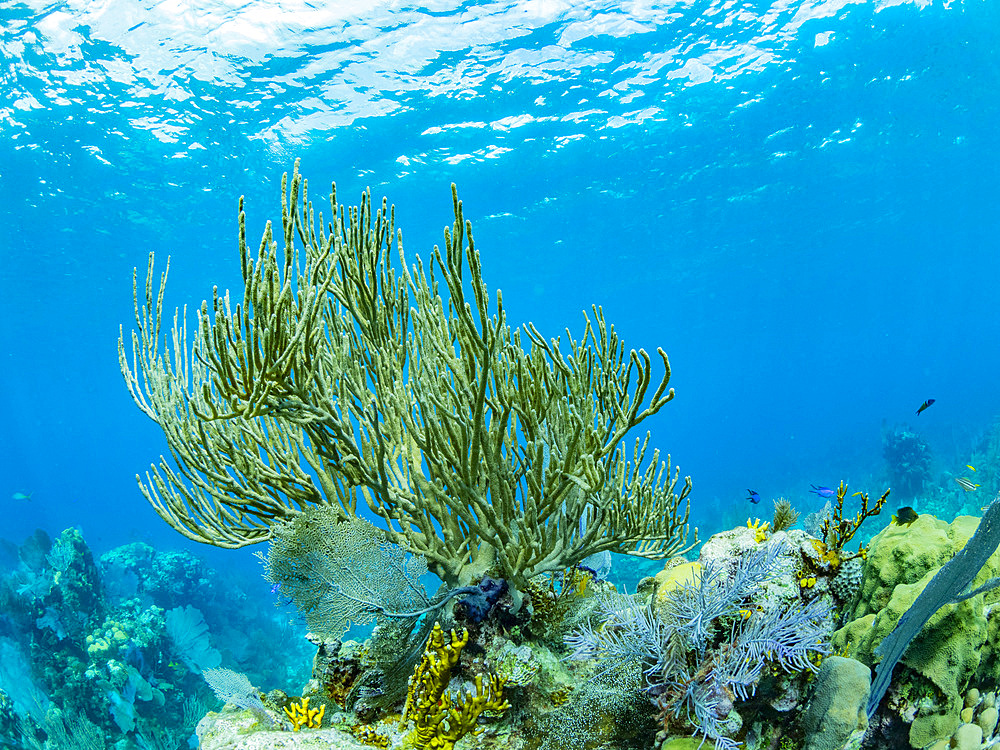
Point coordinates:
[(902, 554)]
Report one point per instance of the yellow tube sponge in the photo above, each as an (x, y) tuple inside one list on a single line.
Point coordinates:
[(302, 716), (432, 674), (439, 719), (459, 719)]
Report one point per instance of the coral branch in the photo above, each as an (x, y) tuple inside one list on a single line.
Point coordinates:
[(344, 377)]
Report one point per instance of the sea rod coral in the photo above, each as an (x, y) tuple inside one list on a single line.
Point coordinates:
[(344, 376)]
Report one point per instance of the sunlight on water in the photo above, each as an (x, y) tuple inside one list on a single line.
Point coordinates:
[(280, 71)]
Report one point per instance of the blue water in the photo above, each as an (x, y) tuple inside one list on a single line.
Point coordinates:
[(797, 201)]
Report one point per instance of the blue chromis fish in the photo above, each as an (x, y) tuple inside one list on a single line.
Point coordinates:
[(21, 496), (753, 497), (925, 405), (822, 491)]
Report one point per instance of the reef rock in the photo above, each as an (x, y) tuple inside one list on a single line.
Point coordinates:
[(837, 708), (233, 730)]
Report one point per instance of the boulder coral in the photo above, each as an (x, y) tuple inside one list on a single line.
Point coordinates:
[(953, 649)]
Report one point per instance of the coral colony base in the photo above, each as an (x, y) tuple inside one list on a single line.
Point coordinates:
[(375, 422)]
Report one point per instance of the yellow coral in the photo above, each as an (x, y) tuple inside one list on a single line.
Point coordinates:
[(432, 674), (759, 530), (439, 719), (826, 557), (302, 716), (560, 697), (369, 736), (107, 639), (457, 721), (98, 647)]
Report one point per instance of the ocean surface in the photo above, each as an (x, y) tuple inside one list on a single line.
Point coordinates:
[(796, 200)]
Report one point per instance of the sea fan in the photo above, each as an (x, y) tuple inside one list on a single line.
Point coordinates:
[(694, 669), (233, 687), (187, 629)]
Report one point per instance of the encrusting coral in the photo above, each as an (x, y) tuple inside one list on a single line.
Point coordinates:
[(956, 633), (342, 376)]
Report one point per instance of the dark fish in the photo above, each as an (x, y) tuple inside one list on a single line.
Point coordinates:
[(925, 405), (904, 516), (822, 491), (753, 497)]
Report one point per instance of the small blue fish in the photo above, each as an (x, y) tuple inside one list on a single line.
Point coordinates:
[(925, 405), (822, 491), (753, 497), (21, 496)]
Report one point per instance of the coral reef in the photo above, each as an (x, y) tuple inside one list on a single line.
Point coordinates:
[(715, 632), (87, 649), (950, 585), (731, 647), (908, 461), (953, 650), (381, 422)]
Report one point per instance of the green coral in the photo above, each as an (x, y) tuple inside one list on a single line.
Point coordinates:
[(345, 377), (902, 554), (954, 648)]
